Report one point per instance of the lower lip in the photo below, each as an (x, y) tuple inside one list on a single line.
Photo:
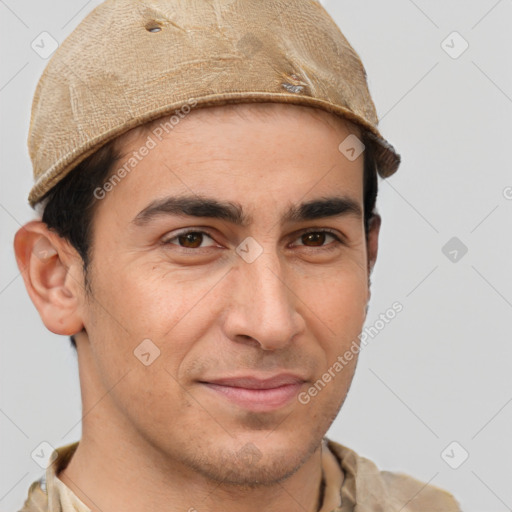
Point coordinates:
[(260, 400)]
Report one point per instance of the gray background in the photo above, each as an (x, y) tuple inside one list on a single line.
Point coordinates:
[(440, 371)]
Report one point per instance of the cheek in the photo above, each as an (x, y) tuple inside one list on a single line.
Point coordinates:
[(336, 307), (148, 299), (147, 310), (140, 334), (340, 314)]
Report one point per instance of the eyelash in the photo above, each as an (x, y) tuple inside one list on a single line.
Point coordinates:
[(338, 239)]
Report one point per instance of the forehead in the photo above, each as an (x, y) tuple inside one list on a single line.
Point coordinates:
[(266, 157), (247, 111)]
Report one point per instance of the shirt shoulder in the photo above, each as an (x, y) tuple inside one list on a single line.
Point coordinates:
[(418, 495), (37, 499), (49, 493), (373, 490)]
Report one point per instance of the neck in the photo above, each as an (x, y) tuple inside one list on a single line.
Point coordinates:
[(107, 477), (115, 468)]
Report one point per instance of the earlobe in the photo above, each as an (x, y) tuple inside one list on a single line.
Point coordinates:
[(49, 270)]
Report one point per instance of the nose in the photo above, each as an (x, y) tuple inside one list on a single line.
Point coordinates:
[(262, 305)]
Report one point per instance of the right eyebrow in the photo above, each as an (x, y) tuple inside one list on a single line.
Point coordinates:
[(193, 206)]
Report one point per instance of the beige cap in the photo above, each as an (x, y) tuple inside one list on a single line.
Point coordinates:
[(132, 61)]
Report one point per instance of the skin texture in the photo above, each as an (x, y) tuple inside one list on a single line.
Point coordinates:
[(154, 437)]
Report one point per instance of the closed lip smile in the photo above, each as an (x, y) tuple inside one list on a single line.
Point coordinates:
[(255, 392)]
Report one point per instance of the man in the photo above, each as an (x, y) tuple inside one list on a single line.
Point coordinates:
[(206, 173)]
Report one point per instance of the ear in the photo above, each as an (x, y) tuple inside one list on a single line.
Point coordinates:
[(373, 241), (52, 271), (372, 248)]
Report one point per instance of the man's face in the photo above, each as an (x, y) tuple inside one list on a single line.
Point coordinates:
[(219, 306)]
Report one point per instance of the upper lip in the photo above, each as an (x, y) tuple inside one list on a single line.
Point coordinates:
[(257, 382)]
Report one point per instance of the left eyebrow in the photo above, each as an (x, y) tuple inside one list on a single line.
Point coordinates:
[(322, 208), (233, 212)]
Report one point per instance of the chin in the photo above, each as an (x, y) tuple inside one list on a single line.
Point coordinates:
[(260, 461), (250, 471)]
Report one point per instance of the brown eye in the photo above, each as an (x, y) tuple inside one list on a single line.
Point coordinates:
[(314, 239), (321, 238), (191, 240)]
